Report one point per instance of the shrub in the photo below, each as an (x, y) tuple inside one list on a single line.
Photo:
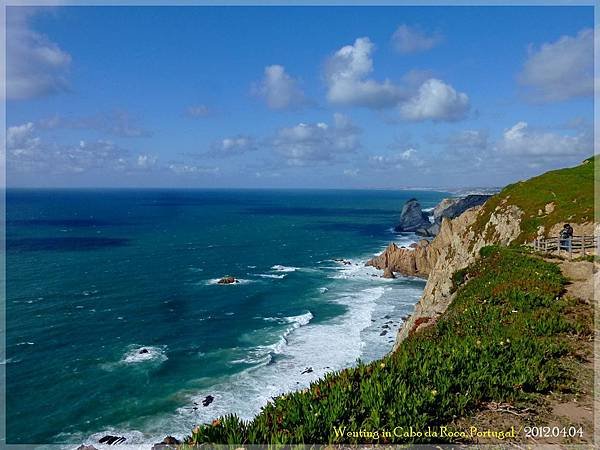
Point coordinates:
[(500, 340)]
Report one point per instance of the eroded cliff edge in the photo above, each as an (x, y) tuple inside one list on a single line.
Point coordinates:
[(516, 215)]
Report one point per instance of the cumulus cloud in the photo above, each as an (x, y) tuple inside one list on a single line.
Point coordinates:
[(27, 152), (115, 123), (305, 143), (35, 66), (408, 39), (231, 146), (521, 140), (346, 76), (198, 111), (279, 89), (146, 162), (397, 160), (186, 169), (562, 69), (437, 101)]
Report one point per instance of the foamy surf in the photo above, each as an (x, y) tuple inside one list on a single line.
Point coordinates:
[(139, 354), (280, 268)]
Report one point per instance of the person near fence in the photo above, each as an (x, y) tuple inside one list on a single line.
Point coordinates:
[(566, 235)]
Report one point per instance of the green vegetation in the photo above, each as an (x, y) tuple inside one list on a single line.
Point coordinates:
[(570, 191), (507, 337)]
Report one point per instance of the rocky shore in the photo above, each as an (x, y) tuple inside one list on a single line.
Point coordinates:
[(466, 225)]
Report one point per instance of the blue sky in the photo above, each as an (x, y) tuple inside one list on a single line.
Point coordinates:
[(331, 97)]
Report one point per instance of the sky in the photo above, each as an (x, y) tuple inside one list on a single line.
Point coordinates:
[(296, 97)]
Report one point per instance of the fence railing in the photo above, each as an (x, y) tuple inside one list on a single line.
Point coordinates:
[(577, 244)]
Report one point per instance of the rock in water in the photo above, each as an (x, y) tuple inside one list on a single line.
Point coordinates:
[(387, 273), (207, 400), (143, 351), (411, 217), (227, 280), (112, 440), (86, 447), (167, 443)]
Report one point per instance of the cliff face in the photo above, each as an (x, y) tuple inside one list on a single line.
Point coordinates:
[(453, 249), (510, 217)]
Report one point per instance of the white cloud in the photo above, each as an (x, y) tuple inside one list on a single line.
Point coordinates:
[(35, 66), (115, 123), (181, 168), (408, 39), (436, 100), (20, 137), (397, 160), (146, 161), (198, 111), (346, 75), (562, 69), (27, 152), (351, 172), (521, 140), (279, 89), (312, 143), (233, 146)]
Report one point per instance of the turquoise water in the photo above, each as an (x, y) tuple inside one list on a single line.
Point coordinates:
[(95, 276)]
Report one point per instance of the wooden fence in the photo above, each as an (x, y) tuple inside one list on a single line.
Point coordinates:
[(581, 245)]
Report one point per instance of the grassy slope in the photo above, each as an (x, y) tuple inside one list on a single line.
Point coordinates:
[(571, 190), (507, 337)]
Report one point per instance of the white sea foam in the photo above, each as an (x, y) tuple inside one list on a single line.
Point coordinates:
[(214, 281), (280, 268), (272, 275), (371, 304), (136, 354)]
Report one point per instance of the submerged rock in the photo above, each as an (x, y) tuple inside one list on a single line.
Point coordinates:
[(227, 280), (86, 447), (207, 400), (307, 370), (143, 351)]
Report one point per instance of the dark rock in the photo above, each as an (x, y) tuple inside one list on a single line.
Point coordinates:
[(383, 333), (112, 440), (385, 326), (207, 400), (431, 231), (452, 208), (411, 217), (86, 447), (143, 351), (227, 280), (387, 273), (307, 370), (167, 443), (387, 316)]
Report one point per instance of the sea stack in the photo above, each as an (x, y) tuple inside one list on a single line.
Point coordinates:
[(412, 217)]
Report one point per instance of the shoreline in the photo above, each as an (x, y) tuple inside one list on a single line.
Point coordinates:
[(387, 325)]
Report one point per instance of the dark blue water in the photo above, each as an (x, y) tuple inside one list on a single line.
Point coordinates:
[(95, 276)]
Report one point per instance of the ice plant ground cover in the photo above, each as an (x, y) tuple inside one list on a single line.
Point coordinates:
[(509, 336)]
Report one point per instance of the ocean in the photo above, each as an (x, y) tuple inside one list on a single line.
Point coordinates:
[(95, 276)]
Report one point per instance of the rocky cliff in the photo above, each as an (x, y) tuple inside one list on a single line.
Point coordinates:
[(516, 215), (412, 217)]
